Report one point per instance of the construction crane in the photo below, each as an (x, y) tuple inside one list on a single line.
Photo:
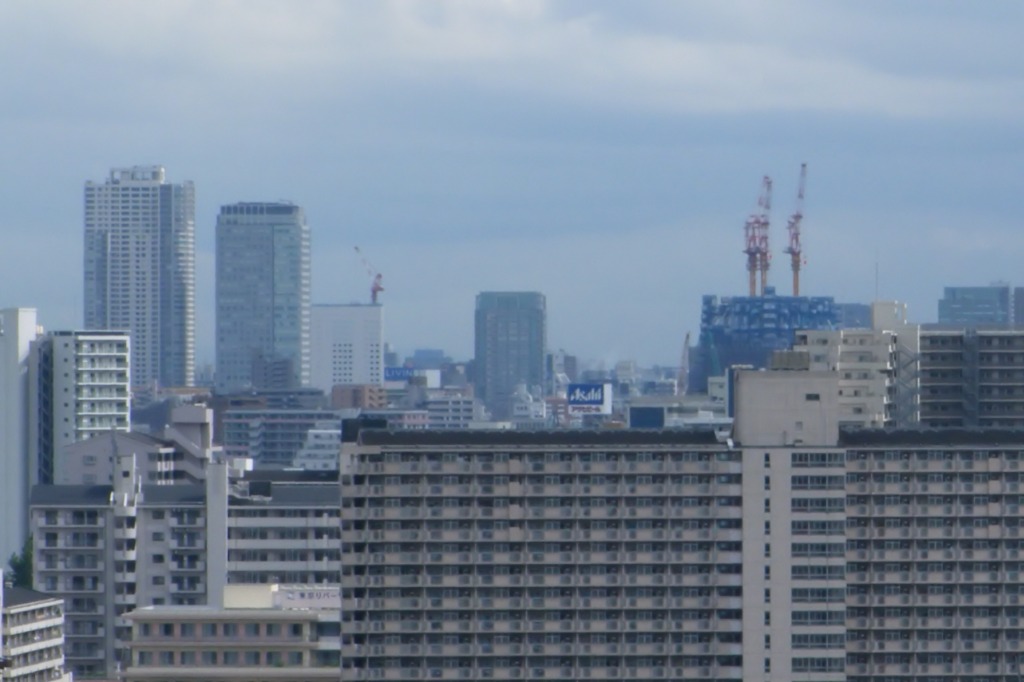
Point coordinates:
[(756, 234), (376, 279), (795, 250), (683, 377)]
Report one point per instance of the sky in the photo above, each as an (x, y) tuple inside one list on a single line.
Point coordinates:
[(604, 153)]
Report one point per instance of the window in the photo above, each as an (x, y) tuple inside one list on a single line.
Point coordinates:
[(812, 397)]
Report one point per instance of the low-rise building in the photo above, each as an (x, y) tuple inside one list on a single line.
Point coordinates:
[(31, 636), (280, 633)]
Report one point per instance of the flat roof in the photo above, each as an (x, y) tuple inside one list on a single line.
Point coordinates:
[(564, 437), (19, 596), (931, 437)]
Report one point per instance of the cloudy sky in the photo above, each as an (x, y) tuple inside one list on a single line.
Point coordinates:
[(604, 153)]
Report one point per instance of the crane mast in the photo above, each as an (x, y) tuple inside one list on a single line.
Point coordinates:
[(795, 249), (756, 236), (376, 278)]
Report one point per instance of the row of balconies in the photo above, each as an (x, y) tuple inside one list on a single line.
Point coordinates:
[(597, 626), (515, 673), (546, 649), (547, 491), (915, 599), (499, 603), (560, 580), (991, 464), (961, 669), (575, 466), (996, 487), (949, 554), (958, 577), (952, 644), (934, 623)]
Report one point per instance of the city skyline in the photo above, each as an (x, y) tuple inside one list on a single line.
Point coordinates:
[(607, 158)]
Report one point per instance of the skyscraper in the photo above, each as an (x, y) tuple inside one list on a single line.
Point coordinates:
[(263, 296), (511, 336), (140, 270)]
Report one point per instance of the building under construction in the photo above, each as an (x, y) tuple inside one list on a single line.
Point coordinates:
[(745, 330)]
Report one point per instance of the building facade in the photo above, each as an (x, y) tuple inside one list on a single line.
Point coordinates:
[(263, 297), (31, 636), (593, 555), (17, 331), (140, 270), (79, 387), (973, 307), (510, 346), (261, 633), (971, 378), (348, 345)]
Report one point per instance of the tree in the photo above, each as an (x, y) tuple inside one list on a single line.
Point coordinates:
[(20, 566)]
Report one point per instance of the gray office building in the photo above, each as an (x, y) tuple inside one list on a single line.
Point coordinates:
[(263, 297), (511, 339), (140, 270), (990, 306)]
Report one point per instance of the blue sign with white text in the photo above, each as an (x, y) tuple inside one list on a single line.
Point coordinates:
[(398, 373)]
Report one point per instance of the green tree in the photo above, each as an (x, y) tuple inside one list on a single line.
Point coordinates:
[(20, 566)]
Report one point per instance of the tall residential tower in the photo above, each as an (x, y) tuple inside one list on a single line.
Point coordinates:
[(263, 296), (511, 336), (140, 270)]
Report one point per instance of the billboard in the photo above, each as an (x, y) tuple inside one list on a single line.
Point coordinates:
[(398, 373), (589, 398)]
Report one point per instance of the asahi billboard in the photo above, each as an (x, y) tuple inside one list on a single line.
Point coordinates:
[(589, 398)]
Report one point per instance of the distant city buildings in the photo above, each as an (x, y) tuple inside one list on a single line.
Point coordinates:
[(263, 297), (510, 343), (347, 345), (79, 387), (973, 307), (139, 273)]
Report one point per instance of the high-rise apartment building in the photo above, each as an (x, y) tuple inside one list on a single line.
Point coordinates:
[(140, 270), (596, 555), (17, 331), (79, 387), (510, 342), (263, 297), (974, 307), (348, 345)]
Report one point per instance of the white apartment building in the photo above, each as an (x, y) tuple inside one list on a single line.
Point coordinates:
[(139, 270), (31, 636), (79, 387), (109, 549), (260, 633), (877, 367), (347, 344)]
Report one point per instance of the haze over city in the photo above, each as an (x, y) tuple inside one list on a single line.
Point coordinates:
[(603, 153)]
